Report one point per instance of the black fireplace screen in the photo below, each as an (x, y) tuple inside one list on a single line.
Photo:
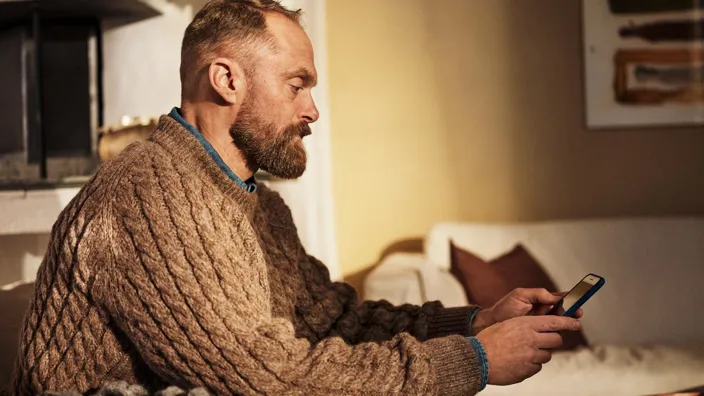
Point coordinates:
[(51, 101), (51, 96)]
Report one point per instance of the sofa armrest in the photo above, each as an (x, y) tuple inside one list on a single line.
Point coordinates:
[(396, 279), (440, 285), (407, 278)]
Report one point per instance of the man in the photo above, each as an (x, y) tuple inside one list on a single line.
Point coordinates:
[(172, 266)]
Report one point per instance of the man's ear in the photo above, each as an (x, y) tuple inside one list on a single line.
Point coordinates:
[(226, 78)]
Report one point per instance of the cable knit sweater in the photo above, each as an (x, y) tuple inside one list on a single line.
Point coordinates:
[(162, 271)]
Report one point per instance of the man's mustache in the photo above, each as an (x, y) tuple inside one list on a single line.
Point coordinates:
[(302, 129)]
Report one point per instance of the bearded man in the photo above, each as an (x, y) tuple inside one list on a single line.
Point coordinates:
[(173, 267)]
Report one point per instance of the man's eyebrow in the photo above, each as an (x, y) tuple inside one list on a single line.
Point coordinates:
[(304, 74)]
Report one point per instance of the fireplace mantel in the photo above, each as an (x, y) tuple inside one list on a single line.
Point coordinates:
[(32, 211)]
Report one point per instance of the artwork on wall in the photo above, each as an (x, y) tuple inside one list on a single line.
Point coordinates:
[(644, 62)]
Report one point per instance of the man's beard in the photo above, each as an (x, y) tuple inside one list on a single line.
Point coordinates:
[(280, 153)]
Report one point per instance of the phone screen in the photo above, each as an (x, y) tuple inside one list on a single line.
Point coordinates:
[(578, 292)]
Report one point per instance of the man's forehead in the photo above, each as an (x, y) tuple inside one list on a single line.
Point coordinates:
[(288, 35), (294, 48)]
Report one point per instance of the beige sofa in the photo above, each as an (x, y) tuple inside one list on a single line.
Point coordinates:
[(645, 327)]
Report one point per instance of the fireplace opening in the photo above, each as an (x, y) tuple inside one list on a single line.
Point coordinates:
[(51, 104)]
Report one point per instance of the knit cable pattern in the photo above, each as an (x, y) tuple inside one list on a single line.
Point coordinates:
[(163, 272)]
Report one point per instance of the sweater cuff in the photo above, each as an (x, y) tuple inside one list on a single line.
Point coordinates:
[(450, 321), (456, 366), (472, 314), (481, 358)]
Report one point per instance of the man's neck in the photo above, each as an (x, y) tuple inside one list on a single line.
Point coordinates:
[(210, 121)]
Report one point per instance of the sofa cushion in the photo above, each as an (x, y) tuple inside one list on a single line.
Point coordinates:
[(487, 282), (613, 370)]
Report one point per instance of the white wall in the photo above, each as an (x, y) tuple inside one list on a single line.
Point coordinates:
[(141, 63), (310, 197)]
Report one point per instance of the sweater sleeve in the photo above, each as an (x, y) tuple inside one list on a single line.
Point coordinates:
[(194, 301), (357, 320)]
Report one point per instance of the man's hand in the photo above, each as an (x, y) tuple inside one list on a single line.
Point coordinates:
[(517, 348), (520, 302)]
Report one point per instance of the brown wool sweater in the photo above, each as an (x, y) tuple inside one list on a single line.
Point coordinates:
[(163, 271)]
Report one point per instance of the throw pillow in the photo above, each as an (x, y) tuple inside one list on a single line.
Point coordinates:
[(482, 282), (520, 269), (487, 282)]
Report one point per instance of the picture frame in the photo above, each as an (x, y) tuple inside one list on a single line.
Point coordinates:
[(643, 63)]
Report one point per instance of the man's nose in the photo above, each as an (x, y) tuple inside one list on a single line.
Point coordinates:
[(310, 114)]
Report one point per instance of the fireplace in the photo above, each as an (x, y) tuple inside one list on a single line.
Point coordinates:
[(51, 104)]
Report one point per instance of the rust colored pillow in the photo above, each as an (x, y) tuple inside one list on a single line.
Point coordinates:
[(482, 282), (519, 269), (487, 282)]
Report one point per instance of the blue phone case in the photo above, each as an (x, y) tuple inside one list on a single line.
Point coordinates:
[(573, 309)]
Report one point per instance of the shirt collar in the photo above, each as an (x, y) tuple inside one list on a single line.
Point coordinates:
[(249, 185)]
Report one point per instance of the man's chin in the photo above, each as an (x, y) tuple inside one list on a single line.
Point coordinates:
[(289, 164), (287, 172)]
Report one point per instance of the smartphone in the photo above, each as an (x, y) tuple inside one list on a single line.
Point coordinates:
[(579, 295)]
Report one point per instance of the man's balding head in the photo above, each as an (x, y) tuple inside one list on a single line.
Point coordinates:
[(232, 28), (247, 74)]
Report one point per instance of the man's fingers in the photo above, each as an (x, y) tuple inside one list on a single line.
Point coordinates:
[(554, 309), (543, 324), (549, 340), (560, 310), (543, 310), (540, 296), (542, 357), (534, 369)]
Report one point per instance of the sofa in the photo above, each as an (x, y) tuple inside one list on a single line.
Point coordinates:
[(645, 327)]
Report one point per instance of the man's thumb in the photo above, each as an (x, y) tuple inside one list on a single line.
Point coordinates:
[(544, 297)]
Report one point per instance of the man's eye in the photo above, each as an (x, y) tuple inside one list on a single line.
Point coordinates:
[(296, 89)]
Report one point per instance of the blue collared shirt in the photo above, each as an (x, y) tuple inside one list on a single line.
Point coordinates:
[(250, 184)]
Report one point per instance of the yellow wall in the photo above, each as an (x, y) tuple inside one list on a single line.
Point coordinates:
[(474, 110)]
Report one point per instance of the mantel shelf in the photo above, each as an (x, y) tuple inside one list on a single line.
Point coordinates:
[(32, 211), (117, 12)]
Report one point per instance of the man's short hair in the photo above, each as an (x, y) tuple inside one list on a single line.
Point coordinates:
[(237, 24)]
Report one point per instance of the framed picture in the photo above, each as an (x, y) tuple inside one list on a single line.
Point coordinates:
[(644, 62)]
